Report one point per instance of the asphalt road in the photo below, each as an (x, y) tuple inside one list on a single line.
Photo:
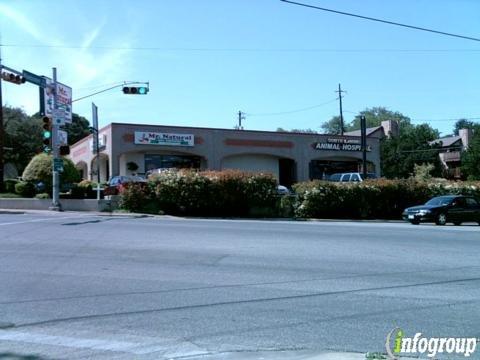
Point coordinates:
[(77, 286)]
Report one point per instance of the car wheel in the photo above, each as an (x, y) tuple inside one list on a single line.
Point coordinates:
[(441, 219), (414, 222), (457, 223)]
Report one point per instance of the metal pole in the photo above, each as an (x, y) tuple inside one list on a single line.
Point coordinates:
[(56, 206), (363, 131), (2, 130), (96, 144)]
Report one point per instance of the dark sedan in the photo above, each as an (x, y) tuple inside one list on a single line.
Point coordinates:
[(442, 209)]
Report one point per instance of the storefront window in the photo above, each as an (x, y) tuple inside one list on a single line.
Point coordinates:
[(154, 161)]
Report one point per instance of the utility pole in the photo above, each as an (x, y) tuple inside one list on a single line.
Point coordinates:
[(56, 206), (241, 116), (363, 131), (340, 96)]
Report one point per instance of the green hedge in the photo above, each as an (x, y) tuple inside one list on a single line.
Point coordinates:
[(377, 199), (25, 189), (211, 193)]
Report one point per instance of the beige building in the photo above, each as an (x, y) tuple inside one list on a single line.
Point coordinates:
[(135, 149)]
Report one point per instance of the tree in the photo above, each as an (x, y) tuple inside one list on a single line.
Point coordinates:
[(332, 126), (23, 137), (400, 154), (78, 129), (465, 124), (471, 159), (303, 131), (374, 117)]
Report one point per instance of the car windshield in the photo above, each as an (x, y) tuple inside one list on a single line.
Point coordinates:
[(439, 201)]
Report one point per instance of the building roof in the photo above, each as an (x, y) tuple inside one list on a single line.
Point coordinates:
[(370, 131), (446, 141)]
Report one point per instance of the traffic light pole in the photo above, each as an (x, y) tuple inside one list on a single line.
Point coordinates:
[(56, 206)]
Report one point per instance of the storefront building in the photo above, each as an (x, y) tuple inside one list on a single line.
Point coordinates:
[(128, 149)]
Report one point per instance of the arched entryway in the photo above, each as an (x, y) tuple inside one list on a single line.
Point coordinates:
[(104, 164)]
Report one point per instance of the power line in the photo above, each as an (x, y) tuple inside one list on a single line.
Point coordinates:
[(382, 21), (292, 111), (266, 50)]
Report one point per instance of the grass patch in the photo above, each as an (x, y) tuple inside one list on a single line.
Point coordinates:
[(9, 196)]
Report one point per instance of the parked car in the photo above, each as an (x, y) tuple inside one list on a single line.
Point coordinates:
[(117, 183), (283, 190), (350, 177), (443, 209)]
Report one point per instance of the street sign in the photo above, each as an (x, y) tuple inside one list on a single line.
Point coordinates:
[(64, 100), (58, 116), (58, 165), (34, 79), (62, 137)]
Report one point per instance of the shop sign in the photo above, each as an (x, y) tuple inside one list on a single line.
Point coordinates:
[(340, 144), (154, 138)]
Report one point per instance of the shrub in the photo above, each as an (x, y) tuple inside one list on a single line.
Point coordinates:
[(9, 185), (42, 196), (25, 189), (211, 193), (381, 199), (40, 170)]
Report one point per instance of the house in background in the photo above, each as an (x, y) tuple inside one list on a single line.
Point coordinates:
[(451, 151)]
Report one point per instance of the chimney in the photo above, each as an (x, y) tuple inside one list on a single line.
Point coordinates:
[(390, 128), (466, 136)]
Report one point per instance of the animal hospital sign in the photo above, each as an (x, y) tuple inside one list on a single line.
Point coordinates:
[(340, 144)]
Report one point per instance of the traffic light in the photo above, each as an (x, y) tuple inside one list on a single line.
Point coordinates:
[(13, 78), (64, 150), (135, 90), (47, 134)]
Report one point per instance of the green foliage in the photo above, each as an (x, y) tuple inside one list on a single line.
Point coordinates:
[(25, 189), (423, 172), (378, 199), (211, 193), (471, 158), (42, 196), (301, 131), (9, 185), (400, 154), (78, 129), (132, 166), (40, 170), (9, 195), (23, 134), (374, 117), (332, 126), (465, 124)]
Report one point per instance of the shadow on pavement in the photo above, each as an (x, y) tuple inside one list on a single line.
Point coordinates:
[(15, 356)]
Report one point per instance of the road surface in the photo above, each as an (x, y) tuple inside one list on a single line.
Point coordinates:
[(77, 286)]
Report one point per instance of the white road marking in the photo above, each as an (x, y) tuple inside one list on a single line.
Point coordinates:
[(177, 348), (43, 219)]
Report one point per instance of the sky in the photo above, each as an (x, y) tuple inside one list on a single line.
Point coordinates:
[(205, 60)]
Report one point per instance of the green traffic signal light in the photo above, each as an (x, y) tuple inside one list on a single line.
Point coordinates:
[(135, 90), (47, 134)]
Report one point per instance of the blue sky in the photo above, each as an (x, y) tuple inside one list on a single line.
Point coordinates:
[(207, 59)]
